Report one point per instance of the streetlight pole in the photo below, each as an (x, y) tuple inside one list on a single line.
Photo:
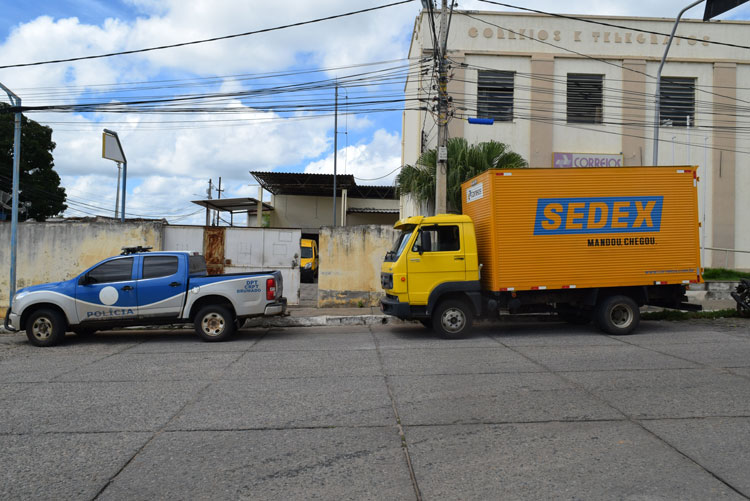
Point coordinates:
[(657, 97), (15, 101), (335, 145)]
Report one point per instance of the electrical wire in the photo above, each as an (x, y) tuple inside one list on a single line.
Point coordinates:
[(195, 42), (611, 25)]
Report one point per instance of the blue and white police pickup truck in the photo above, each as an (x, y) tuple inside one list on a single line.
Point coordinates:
[(140, 287)]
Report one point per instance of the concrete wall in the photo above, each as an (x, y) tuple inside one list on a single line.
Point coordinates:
[(350, 259), (51, 252)]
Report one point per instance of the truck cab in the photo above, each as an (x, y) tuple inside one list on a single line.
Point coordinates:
[(309, 260), (432, 266)]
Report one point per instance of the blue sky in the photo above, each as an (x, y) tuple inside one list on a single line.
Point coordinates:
[(171, 157)]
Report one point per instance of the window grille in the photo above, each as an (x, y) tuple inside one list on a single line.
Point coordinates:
[(495, 95), (585, 102), (677, 101)]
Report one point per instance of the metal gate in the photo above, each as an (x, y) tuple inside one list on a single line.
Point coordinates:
[(238, 250)]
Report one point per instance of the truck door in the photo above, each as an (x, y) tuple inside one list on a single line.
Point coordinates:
[(161, 286), (107, 292), (437, 256)]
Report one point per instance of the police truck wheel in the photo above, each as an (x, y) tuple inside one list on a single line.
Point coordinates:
[(45, 328), (214, 323), (452, 319), (618, 315)]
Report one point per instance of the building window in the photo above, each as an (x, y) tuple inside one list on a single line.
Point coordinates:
[(495, 95), (585, 98), (677, 101)]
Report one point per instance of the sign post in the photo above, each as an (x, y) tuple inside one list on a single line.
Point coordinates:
[(112, 150)]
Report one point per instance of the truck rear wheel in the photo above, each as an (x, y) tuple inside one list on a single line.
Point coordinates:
[(214, 323), (45, 327), (618, 315), (452, 319)]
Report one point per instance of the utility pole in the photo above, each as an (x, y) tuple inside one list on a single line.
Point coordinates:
[(208, 192), (442, 139), (335, 145), (14, 101), (216, 215)]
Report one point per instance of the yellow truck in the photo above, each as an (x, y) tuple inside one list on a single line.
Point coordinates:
[(587, 244), (309, 260)]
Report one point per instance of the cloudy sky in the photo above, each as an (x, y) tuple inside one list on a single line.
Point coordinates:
[(241, 114)]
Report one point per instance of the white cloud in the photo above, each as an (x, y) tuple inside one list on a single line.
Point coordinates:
[(376, 162)]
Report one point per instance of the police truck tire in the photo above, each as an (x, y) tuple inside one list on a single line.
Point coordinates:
[(452, 319), (618, 315), (45, 327), (215, 323)]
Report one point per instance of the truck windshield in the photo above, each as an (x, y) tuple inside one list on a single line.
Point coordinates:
[(399, 246)]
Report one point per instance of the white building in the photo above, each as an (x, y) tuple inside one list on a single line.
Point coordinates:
[(586, 86)]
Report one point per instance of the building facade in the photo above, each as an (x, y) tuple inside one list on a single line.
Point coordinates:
[(581, 90)]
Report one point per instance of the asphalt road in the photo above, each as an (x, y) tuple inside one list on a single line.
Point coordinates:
[(537, 410)]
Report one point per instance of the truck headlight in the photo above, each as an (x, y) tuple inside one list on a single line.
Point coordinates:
[(308, 266)]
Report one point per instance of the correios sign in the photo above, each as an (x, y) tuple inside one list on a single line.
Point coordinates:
[(587, 160)]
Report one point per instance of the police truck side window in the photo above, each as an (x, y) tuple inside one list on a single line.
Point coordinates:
[(159, 266), (117, 270)]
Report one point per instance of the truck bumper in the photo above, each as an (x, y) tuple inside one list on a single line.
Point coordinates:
[(277, 308), (11, 321), (392, 306)]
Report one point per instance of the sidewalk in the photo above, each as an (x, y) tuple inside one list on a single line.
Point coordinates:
[(310, 316), (371, 315)]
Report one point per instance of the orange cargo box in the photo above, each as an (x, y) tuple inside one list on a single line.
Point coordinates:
[(573, 228)]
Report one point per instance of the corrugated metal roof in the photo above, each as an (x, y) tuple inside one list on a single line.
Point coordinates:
[(367, 210), (319, 185)]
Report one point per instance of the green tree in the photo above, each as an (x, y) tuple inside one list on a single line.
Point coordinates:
[(464, 162), (39, 184)]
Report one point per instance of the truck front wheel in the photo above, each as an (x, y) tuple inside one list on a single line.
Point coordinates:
[(45, 327), (452, 319), (214, 323), (618, 315)]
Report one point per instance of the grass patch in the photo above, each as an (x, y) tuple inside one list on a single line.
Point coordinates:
[(689, 315), (724, 274)]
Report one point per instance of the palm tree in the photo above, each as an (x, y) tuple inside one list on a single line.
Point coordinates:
[(464, 162)]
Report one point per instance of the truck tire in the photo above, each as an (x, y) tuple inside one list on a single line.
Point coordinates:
[(45, 327), (214, 323), (452, 319), (618, 315)]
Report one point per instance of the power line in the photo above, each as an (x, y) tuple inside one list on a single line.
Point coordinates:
[(195, 42), (602, 23)]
